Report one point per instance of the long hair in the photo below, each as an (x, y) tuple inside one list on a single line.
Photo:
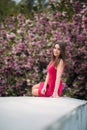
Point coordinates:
[(55, 59)]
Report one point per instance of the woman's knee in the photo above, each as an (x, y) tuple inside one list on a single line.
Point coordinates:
[(35, 92), (35, 86)]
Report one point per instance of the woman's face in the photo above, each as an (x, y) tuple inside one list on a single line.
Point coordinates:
[(56, 50)]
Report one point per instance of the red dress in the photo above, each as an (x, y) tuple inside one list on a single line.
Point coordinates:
[(51, 83)]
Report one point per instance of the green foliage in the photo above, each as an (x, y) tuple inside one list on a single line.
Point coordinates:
[(7, 7)]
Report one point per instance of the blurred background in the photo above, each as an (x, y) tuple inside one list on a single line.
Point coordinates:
[(28, 31)]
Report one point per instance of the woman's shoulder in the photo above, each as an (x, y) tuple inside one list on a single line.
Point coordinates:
[(61, 63)]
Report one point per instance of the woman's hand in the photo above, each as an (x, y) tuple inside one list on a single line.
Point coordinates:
[(55, 95), (43, 90)]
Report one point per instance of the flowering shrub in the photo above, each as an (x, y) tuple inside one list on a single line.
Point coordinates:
[(26, 47)]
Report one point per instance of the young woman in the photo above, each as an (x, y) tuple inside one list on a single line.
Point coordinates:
[(52, 87)]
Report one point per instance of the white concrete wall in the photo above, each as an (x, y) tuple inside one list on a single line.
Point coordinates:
[(74, 120), (35, 113)]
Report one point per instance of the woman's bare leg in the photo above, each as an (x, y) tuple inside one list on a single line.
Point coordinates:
[(35, 90)]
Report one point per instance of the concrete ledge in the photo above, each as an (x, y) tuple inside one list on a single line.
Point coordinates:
[(37, 113)]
